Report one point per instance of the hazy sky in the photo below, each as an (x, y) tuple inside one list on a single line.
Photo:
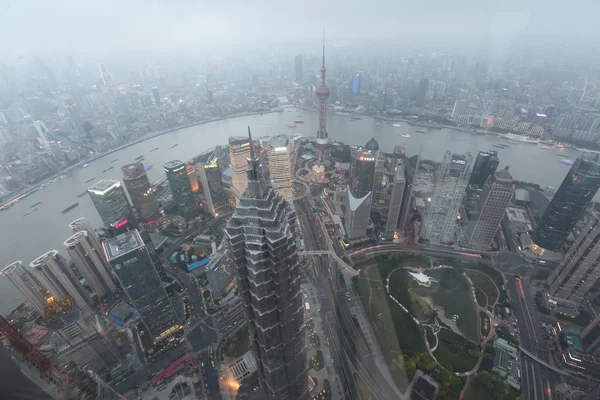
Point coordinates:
[(87, 27)]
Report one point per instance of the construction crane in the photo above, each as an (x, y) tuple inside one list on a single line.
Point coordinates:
[(28, 350), (56, 308)]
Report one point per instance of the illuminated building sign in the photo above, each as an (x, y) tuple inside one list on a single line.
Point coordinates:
[(460, 162), (121, 224)]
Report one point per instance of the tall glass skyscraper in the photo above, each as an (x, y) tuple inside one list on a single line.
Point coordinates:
[(132, 265), (362, 173), (140, 190), (181, 188), (574, 194), (440, 218), (209, 175), (485, 166), (111, 201), (261, 242)]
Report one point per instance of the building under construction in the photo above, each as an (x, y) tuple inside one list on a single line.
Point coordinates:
[(39, 378)]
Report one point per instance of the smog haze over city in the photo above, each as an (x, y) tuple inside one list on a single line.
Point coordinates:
[(300, 200)]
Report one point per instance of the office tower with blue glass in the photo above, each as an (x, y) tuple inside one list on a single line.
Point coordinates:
[(572, 197), (181, 188), (131, 263), (110, 201)]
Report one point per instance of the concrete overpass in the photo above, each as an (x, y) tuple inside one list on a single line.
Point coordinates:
[(544, 363), (341, 262)]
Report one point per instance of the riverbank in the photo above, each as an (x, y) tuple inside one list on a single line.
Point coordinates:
[(32, 189)]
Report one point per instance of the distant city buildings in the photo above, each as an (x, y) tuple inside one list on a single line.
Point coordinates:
[(140, 191), (239, 152), (579, 269), (110, 201), (441, 216), (130, 261), (281, 171), (181, 188), (495, 197), (298, 68), (266, 265), (572, 197)]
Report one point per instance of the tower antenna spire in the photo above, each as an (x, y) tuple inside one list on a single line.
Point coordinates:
[(323, 47), (251, 144)]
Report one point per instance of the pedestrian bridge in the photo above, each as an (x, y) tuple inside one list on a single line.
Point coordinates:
[(348, 268), (544, 363)]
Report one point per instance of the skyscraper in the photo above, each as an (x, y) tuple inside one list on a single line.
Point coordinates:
[(156, 96), (485, 166), (574, 194), (131, 263), (105, 75), (362, 173), (209, 175), (298, 64), (323, 93), (579, 269), (140, 191), (261, 242), (239, 151), (82, 224), (422, 92), (54, 274), (181, 188), (356, 215), (491, 206), (90, 264), (25, 280), (395, 202), (440, 218), (280, 153), (74, 116), (110, 201), (590, 337)]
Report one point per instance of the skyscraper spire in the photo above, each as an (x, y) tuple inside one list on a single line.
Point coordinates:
[(256, 186), (323, 69), (251, 144)]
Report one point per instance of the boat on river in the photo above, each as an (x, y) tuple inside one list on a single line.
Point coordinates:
[(154, 149), (175, 145), (89, 180), (420, 131), (29, 212), (520, 138), (397, 125), (82, 194), (114, 161), (139, 157), (405, 135), (72, 206), (291, 125), (107, 169)]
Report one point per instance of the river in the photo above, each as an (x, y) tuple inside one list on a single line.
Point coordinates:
[(26, 237)]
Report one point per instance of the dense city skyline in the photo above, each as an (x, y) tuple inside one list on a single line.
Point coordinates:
[(413, 214)]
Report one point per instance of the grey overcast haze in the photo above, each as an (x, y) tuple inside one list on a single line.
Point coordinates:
[(86, 28)]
